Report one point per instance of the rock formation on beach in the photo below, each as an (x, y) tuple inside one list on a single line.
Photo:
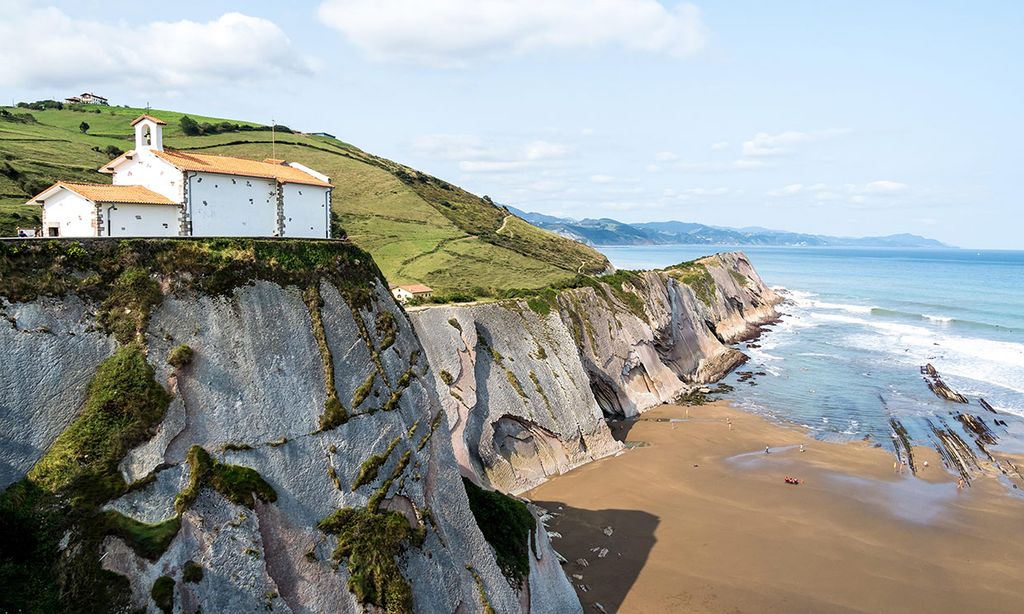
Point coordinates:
[(235, 426), (527, 385)]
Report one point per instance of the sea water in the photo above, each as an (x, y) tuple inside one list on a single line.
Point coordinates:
[(857, 326)]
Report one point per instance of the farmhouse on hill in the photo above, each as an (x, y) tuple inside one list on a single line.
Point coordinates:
[(87, 98), (409, 292), (161, 193)]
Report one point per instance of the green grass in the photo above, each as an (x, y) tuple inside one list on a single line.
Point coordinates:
[(371, 467), (192, 572), (181, 356), (123, 404), (62, 495), (695, 275), (506, 525), (163, 594), (238, 484), (368, 542), (149, 541), (417, 227)]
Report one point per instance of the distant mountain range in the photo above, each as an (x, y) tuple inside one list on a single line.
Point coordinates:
[(606, 231)]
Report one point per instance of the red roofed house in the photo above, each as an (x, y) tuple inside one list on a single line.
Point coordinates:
[(409, 292), (157, 192)]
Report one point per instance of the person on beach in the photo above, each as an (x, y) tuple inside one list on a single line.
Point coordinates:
[(766, 450), (802, 448)]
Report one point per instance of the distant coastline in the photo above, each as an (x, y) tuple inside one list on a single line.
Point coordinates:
[(607, 232)]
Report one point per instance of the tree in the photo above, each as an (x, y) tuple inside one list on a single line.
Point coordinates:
[(84, 127), (190, 126)]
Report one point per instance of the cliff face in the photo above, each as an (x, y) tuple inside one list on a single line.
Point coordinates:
[(259, 435), (530, 383)]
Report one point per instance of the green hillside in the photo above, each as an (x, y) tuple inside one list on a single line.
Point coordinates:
[(418, 228)]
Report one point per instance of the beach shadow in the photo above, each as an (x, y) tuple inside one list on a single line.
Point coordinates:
[(608, 579), (620, 428)]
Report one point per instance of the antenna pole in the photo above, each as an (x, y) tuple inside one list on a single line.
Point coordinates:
[(273, 139)]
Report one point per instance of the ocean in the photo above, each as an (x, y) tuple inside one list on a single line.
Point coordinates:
[(859, 323)]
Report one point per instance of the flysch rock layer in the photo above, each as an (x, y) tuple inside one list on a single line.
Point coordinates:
[(257, 382), (528, 394)]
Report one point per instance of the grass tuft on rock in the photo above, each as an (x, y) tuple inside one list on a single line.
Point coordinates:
[(238, 484), (124, 403), (125, 312), (180, 356), (148, 540), (192, 572), (695, 275), (163, 594), (506, 525), (369, 542), (371, 467)]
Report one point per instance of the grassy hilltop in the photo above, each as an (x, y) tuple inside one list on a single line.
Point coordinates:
[(417, 227)]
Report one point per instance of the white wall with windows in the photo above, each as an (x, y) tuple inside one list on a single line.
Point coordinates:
[(232, 206), (132, 220), (305, 211)]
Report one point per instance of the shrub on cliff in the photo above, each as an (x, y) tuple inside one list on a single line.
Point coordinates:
[(506, 525)]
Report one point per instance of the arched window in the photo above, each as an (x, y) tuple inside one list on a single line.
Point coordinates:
[(147, 136)]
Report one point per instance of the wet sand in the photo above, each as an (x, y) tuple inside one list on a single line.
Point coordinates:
[(703, 521)]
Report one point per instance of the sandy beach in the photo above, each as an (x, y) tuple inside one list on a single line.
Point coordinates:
[(702, 521)]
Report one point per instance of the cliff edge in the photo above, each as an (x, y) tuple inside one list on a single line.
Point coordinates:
[(234, 426), (527, 384)]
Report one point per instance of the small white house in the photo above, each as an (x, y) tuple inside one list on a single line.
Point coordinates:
[(406, 293), (158, 192), (87, 98)]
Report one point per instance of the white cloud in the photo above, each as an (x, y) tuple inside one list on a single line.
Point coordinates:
[(652, 168), (601, 179), (851, 193), (56, 50), (720, 146), (454, 33), (544, 150), (885, 187), (720, 167), (785, 143), (474, 155), (665, 156)]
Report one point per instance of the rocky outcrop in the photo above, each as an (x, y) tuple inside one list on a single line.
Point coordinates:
[(305, 385), (529, 383)]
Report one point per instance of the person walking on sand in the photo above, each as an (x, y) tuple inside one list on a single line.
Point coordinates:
[(766, 450)]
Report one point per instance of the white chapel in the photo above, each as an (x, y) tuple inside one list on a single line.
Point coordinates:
[(161, 193)]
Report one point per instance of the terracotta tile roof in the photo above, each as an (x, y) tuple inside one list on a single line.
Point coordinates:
[(416, 288), (103, 193), (239, 166), (150, 118)]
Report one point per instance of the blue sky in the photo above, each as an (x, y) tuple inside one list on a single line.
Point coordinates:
[(840, 118)]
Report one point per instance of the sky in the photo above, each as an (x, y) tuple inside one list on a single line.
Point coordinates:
[(841, 118)]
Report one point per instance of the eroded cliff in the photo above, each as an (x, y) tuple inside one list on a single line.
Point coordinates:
[(234, 426), (530, 382)]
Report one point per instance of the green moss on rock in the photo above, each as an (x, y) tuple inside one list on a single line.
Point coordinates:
[(124, 403), (148, 540), (371, 466), (238, 484), (695, 275), (506, 525), (192, 572), (369, 542), (163, 594), (180, 356)]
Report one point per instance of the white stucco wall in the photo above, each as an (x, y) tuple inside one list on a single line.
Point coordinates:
[(305, 211), (152, 172), (127, 220), (71, 213), (223, 205)]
